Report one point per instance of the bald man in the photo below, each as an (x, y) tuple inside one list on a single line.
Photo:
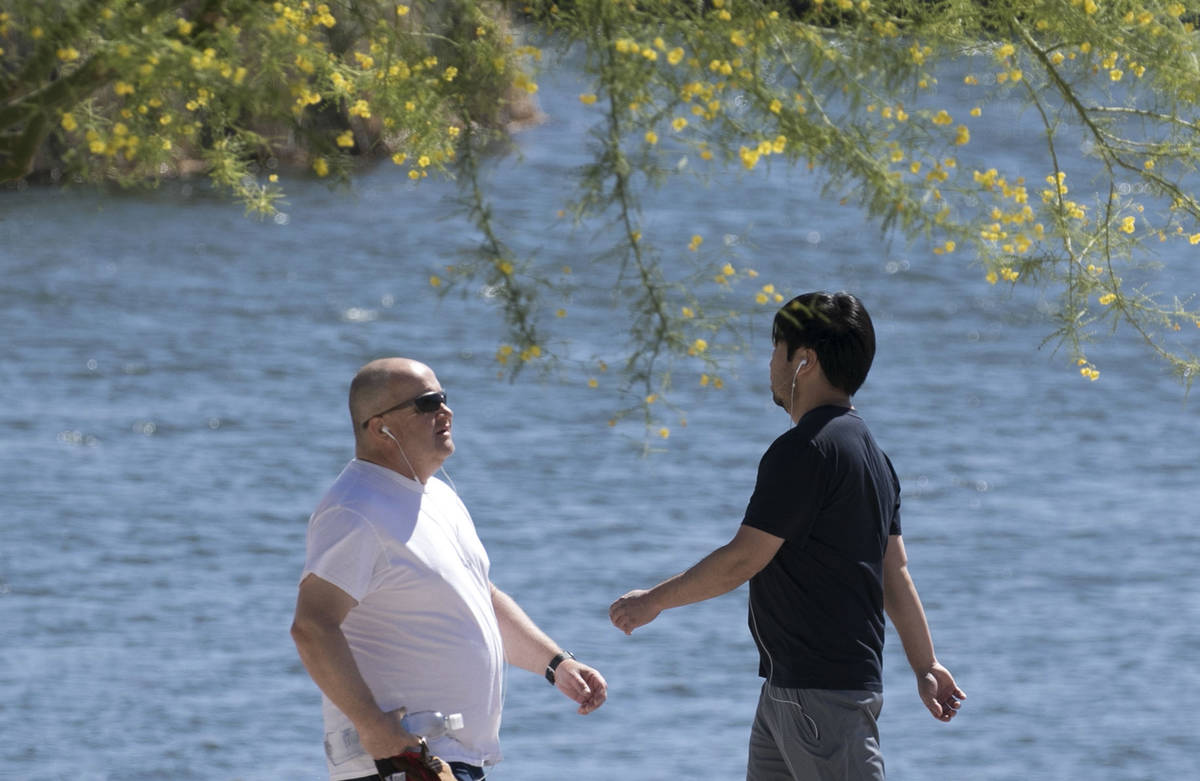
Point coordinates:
[(396, 610)]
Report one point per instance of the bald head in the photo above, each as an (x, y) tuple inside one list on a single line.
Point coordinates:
[(383, 382)]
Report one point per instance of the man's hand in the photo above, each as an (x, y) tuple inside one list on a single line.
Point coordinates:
[(633, 610), (939, 692), (582, 684), (385, 737)]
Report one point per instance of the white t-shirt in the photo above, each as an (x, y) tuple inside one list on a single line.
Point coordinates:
[(424, 632)]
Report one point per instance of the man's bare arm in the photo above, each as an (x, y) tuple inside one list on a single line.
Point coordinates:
[(317, 631), (935, 684), (719, 572)]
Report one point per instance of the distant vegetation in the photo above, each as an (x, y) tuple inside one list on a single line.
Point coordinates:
[(249, 93)]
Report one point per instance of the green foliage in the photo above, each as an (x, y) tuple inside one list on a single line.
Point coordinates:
[(133, 91)]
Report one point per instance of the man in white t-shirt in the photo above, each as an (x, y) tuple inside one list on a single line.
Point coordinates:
[(396, 612)]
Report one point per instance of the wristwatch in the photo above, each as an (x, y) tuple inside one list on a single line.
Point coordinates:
[(558, 659)]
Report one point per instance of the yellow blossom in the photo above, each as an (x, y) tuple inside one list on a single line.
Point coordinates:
[(435, 281), (651, 137), (560, 313), (942, 118), (1107, 299), (679, 123), (687, 312), (321, 167), (962, 135), (664, 432), (68, 54), (592, 382), (401, 10), (694, 245), (728, 270), (1090, 7), (699, 346), (675, 56), (346, 139), (704, 379), (587, 98), (1115, 74), (1128, 225), (68, 122), (992, 278)]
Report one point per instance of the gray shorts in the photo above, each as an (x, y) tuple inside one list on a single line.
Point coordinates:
[(815, 735)]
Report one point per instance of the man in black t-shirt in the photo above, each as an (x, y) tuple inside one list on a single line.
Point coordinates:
[(820, 544)]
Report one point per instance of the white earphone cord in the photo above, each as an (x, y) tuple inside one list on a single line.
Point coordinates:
[(442, 469), (771, 674), (504, 673)]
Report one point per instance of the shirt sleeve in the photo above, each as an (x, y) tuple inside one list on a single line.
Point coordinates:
[(344, 550), (894, 526), (787, 498)]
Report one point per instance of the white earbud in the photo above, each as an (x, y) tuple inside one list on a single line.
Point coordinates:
[(792, 394), (386, 430)]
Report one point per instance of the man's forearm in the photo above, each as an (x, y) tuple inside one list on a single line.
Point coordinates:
[(718, 573), (327, 657), (525, 645), (904, 608)]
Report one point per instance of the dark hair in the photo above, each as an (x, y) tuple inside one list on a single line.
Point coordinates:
[(834, 326)]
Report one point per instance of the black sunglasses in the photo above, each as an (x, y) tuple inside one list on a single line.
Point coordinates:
[(426, 402)]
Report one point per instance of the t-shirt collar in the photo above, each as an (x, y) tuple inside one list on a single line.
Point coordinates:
[(391, 475)]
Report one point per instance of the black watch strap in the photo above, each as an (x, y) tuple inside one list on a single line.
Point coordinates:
[(558, 659)]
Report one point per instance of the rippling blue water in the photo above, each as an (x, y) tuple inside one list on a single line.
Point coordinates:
[(174, 383)]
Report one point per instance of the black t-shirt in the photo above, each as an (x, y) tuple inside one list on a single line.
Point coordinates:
[(816, 610)]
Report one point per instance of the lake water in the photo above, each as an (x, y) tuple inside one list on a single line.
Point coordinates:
[(174, 382)]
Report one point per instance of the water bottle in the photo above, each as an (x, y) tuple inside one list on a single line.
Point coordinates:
[(343, 745), (431, 724)]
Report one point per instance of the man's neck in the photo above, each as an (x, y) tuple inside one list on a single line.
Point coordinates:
[(396, 465), (829, 399)]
